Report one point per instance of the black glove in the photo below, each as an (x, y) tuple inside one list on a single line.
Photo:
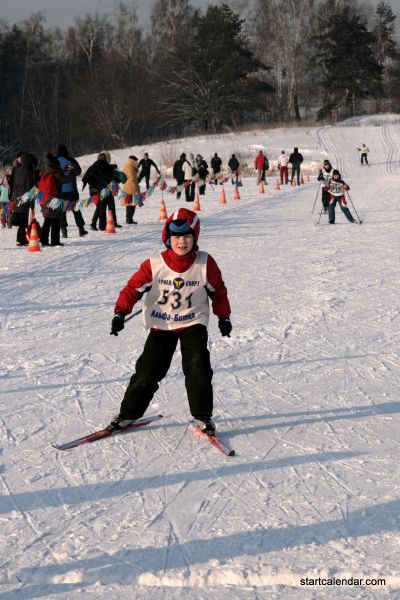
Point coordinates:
[(225, 326), (117, 324)]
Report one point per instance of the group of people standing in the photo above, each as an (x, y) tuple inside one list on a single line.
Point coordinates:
[(190, 170), (56, 177)]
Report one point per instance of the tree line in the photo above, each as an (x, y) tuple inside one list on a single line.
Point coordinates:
[(108, 83)]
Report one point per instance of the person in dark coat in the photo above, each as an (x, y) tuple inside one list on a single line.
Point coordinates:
[(295, 160), (261, 164), (98, 176), (201, 167), (145, 167), (24, 179), (69, 191), (216, 164), (178, 172), (233, 164), (15, 165)]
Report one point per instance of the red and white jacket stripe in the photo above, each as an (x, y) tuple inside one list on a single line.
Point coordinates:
[(142, 281)]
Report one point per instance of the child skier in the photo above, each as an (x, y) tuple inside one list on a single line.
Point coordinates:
[(178, 283), (325, 176), (336, 189)]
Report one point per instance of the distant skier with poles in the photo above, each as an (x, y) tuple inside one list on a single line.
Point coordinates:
[(178, 283), (325, 176), (336, 190), (364, 154)]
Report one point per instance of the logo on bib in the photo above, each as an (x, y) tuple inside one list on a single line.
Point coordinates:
[(178, 283)]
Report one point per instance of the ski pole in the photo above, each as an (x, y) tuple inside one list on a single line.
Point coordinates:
[(320, 215), (354, 208), (316, 196), (137, 312)]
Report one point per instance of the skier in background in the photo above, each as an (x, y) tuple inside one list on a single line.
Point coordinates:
[(178, 282), (364, 154)]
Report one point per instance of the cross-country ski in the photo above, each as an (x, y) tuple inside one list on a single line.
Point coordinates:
[(103, 433)]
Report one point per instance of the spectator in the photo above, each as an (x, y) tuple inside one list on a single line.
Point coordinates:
[(98, 176), (261, 164), (69, 190), (283, 167), (24, 178), (201, 168), (131, 186), (178, 172), (216, 164), (295, 160), (50, 184), (234, 165), (145, 165)]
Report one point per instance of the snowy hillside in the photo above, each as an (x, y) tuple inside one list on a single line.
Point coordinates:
[(306, 392)]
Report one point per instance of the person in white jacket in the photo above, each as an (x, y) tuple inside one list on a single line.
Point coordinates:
[(283, 161), (188, 176)]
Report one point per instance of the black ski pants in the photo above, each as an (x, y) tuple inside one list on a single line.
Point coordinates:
[(52, 227), (364, 157), (296, 173), (146, 176), (153, 365), (190, 191)]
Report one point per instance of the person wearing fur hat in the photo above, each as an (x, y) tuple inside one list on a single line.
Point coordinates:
[(131, 186), (336, 190), (178, 283)]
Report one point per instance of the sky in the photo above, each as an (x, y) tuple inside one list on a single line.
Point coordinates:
[(62, 14)]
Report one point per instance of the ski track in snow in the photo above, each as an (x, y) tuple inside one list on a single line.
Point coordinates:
[(306, 391)]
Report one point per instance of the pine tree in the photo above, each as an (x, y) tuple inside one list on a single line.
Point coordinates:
[(384, 44), (349, 67)]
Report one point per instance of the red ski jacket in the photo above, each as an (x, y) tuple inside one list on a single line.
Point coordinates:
[(142, 280)]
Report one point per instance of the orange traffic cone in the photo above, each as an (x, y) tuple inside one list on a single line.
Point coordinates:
[(261, 188), (277, 184), (294, 184), (110, 227), (163, 212), (196, 204), (34, 240), (236, 195), (222, 197), (302, 180), (307, 179)]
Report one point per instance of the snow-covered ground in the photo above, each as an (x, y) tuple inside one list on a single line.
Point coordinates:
[(306, 391)]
